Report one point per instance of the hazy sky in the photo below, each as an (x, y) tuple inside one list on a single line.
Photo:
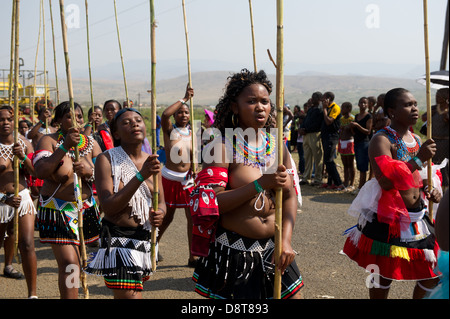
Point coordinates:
[(316, 32)]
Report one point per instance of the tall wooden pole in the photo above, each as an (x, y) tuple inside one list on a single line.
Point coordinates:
[(16, 124), (191, 100), (77, 154), (154, 146), (89, 63), (121, 55), (32, 101), (54, 52), (280, 146), (11, 62), (253, 35), (45, 63), (429, 111)]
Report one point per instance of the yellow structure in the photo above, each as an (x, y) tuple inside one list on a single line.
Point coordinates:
[(28, 96)]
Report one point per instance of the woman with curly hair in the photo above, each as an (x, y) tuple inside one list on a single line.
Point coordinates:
[(233, 206), (236, 84)]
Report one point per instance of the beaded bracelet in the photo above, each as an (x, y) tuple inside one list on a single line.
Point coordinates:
[(63, 148), (139, 177), (258, 187), (418, 162), (23, 161)]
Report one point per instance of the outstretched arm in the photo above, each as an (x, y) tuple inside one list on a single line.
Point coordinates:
[(170, 111)]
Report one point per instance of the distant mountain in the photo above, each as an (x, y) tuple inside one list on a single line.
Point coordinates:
[(167, 69), (209, 88)]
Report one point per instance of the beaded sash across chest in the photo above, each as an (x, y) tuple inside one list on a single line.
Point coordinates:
[(6, 151), (85, 145)]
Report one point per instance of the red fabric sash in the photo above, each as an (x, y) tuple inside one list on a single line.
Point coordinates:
[(205, 209), (391, 208), (212, 176), (107, 140)]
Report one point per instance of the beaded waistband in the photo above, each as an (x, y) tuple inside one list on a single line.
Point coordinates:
[(235, 241), (65, 206)]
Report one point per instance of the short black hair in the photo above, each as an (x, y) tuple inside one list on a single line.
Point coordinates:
[(113, 124), (391, 98), (64, 107), (317, 95), (112, 101), (329, 95), (96, 107), (347, 104)]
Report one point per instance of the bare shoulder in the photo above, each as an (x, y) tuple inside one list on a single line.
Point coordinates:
[(215, 154), (47, 142), (380, 145), (103, 158)]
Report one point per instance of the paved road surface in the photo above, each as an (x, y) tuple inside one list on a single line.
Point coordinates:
[(317, 238)]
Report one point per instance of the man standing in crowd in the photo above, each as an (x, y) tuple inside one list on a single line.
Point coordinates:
[(312, 145), (330, 138)]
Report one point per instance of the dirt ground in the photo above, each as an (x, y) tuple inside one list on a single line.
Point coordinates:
[(317, 238)]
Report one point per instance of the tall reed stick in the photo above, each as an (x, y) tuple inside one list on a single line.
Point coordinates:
[(154, 146), (77, 154), (429, 111), (45, 63), (54, 52), (89, 62), (11, 61), (191, 100), (32, 101), (253, 35), (280, 147), (16, 125), (121, 55)]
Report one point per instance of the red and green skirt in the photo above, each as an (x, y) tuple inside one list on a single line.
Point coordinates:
[(412, 256)]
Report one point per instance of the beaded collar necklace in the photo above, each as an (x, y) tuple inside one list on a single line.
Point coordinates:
[(254, 156), (404, 152), (6, 151), (85, 145), (184, 132)]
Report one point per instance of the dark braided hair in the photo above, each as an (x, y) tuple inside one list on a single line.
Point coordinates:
[(234, 87)]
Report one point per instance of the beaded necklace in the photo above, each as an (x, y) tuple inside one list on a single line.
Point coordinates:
[(253, 156), (184, 133), (404, 152), (85, 145), (6, 151)]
